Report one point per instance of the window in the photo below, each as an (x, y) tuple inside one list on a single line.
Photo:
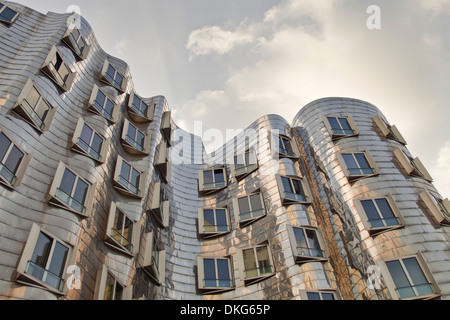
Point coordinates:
[(213, 222), (438, 209), (88, 142), (166, 126), (122, 233), (413, 167), (388, 131), (154, 258), (160, 206), (108, 287), (257, 264), (7, 15), (101, 104), (76, 42), (33, 108), (318, 295), (134, 140), (214, 275), (112, 77), (162, 163), (341, 127), (244, 164), (128, 180), (72, 192), (307, 244), (56, 69), (380, 215), (293, 190), (358, 165), (44, 261), (286, 147), (212, 180), (13, 162), (249, 209), (138, 110), (409, 278)]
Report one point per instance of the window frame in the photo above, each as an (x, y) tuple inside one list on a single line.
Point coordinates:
[(261, 277), (69, 39), (373, 231), (297, 252), (131, 147), (369, 159), (24, 277), (123, 88), (439, 209), (21, 167), (139, 116), (390, 283), (304, 294), (201, 183), (201, 223), (283, 194), (22, 106), (237, 210), (160, 205), (110, 236), (203, 288), (166, 127), (49, 70), (412, 167), (79, 149), (247, 169), (162, 163), (56, 201), (92, 105), (275, 141), (125, 189), (156, 270), (389, 131), (100, 285), (8, 23), (334, 136)]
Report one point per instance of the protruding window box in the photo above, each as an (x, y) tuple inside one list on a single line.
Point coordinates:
[(212, 180), (214, 275), (134, 140), (128, 180), (111, 76), (160, 206), (72, 192), (358, 165), (313, 295), (244, 164), (293, 190), (76, 42), (256, 263), (249, 209), (166, 127), (107, 287), (88, 142), (388, 131), (140, 111), (341, 127), (34, 108), (412, 167), (439, 209), (213, 222), (308, 244), (44, 262), (14, 162), (7, 15), (154, 263), (122, 233), (285, 147), (57, 70), (103, 105), (162, 163)]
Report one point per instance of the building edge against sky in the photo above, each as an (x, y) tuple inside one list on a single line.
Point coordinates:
[(96, 204)]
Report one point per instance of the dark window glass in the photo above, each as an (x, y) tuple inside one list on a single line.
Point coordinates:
[(67, 182)]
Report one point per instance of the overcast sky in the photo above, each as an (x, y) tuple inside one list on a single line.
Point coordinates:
[(229, 62)]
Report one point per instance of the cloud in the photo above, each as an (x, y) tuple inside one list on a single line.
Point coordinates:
[(441, 171)]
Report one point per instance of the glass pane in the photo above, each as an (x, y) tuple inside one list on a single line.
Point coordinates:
[(255, 200), (363, 164), (327, 296), (118, 221), (131, 132), (4, 146), (314, 246), (110, 73), (135, 178), (14, 159), (223, 273), (208, 177), (249, 259), (209, 268), (335, 125), (221, 218), (208, 216), (301, 240), (58, 261), (67, 182), (86, 134), (298, 188), (287, 185), (8, 14), (81, 191), (263, 260), (219, 176), (313, 296), (350, 162), (137, 102), (109, 288), (109, 107), (119, 292), (97, 143), (128, 230), (386, 212), (41, 250), (372, 213), (118, 80), (125, 170), (417, 276), (239, 161), (345, 125), (42, 109), (140, 138), (401, 281), (244, 206), (33, 97), (100, 99)]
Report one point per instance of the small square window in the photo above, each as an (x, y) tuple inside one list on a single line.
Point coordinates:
[(285, 147), (7, 15), (213, 222), (357, 165), (214, 275), (341, 127), (129, 180), (249, 208), (293, 190), (138, 110), (77, 43), (134, 140), (111, 76), (88, 142), (320, 295), (212, 180), (103, 105), (244, 164), (257, 264), (57, 70), (307, 244), (108, 287)]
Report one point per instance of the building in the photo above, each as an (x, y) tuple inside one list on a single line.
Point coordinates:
[(102, 196)]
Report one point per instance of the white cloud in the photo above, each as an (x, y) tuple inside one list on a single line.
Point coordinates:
[(441, 172)]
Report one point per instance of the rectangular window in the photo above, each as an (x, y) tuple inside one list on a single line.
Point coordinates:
[(257, 264), (341, 127), (111, 76), (139, 110), (160, 206), (244, 164), (76, 42), (113, 290), (214, 275), (88, 142), (249, 208), (285, 147), (57, 70), (307, 244), (129, 180), (379, 213), (7, 15), (122, 230), (154, 263), (212, 180), (320, 295), (358, 165), (108, 287), (134, 140), (101, 104), (293, 189), (411, 281), (213, 222)]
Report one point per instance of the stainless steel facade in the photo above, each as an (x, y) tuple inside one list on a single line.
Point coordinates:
[(294, 227)]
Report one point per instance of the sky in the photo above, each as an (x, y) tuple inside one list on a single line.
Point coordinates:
[(227, 63)]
